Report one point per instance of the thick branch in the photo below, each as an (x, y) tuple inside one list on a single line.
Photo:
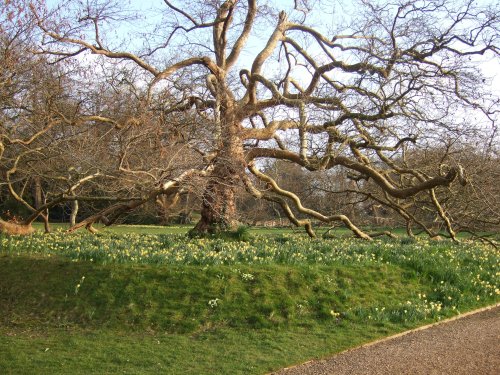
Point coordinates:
[(242, 39), (377, 176), (296, 200)]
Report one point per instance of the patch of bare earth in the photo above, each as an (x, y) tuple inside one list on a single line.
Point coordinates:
[(469, 345)]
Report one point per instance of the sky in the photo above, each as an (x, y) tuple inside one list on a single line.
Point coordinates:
[(490, 68)]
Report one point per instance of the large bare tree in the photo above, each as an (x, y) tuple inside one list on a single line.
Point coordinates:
[(291, 85)]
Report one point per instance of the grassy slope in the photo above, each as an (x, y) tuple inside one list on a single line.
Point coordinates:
[(149, 318), (140, 319)]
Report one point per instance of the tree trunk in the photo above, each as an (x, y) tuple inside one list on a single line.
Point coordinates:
[(74, 213), (166, 205), (37, 191), (218, 212), (185, 216), (46, 224), (40, 200)]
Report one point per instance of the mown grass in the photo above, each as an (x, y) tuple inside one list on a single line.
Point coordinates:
[(261, 231), (226, 351), (136, 303), (182, 229)]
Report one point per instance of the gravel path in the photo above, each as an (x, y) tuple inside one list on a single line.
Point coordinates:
[(469, 345)]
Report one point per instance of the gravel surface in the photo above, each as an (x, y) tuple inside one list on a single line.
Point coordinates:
[(469, 345)]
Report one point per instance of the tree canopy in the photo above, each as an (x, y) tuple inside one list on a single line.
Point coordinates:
[(382, 103)]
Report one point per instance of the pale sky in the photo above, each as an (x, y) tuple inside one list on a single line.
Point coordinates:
[(491, 68)]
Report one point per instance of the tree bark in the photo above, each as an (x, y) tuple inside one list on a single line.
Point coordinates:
[(74, 213), (46, 223), (218, 213), (40, 200)]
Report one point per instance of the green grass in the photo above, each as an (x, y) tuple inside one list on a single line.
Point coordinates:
[(177, 229), (124, 229), (137, 303), (261, 231), (226, 351)]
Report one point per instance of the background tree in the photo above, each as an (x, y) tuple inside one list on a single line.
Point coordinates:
[(22, 122), (53, 149)]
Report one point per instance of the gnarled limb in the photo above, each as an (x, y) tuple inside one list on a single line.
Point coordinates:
[(306, 223), (442, 215), (298, 204), (110, 214), (377, 176)]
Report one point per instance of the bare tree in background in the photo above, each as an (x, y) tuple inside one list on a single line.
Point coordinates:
[(53, 149), (21, 125), (353, 97)]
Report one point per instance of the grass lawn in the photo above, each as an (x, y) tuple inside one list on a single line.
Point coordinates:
[(261, 231), (160, 303)]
